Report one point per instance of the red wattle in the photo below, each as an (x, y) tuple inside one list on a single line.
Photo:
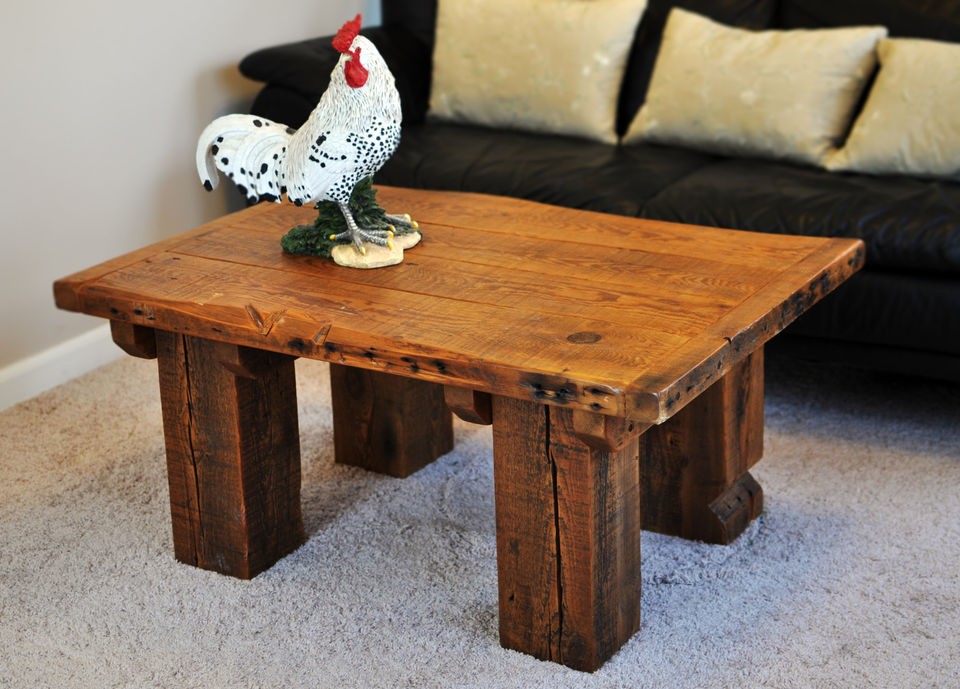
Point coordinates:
[(354, 72)]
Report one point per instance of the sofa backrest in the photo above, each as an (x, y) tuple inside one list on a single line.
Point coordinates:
[(419, 17), (934, 19)]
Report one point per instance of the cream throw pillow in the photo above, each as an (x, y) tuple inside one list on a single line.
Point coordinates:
[(773, 94), (911, 121), (545, 65)]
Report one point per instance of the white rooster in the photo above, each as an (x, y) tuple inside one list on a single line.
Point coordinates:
[(348, 137)]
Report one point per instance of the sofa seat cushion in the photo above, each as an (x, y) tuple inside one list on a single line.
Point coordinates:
[(565, 171), (903, 311), (907, 224)]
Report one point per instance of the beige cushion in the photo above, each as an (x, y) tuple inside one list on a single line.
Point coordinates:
[(910, 123), (545, 65), (775, 94)]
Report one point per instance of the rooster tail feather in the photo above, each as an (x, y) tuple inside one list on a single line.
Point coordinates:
[(250, 150)]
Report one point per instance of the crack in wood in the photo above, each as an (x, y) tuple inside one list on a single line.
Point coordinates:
[(556, 529), (194, 458)]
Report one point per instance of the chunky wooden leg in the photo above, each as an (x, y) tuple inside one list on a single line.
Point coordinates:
[(233, 453), (568, 536), (386, 423), (695, 466), (469, 405)]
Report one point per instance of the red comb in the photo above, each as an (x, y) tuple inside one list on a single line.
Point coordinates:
[(346, 34)]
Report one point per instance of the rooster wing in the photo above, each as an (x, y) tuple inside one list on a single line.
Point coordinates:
[(322, 162)]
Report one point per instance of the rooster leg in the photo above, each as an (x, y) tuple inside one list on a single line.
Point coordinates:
[(358, 235)]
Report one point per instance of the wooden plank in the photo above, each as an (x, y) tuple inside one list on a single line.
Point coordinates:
[(643, 353), (380, 328), (386, 423), (553, 223), (512, 217), (644, 298), (568, 537), (694, 466), (475, 266), (234, 297), (643, 272), (746, 328), (67, 290), (233, 454)]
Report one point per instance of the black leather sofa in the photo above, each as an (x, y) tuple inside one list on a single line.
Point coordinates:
[(900, 314)]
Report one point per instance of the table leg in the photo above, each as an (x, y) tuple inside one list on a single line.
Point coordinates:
[(695, 465), (386, 423), (568, 536), (233, 453)]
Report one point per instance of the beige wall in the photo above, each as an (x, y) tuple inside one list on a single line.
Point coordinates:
[(100, 107)]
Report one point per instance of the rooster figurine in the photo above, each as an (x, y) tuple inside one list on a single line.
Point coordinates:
[(348, 137)]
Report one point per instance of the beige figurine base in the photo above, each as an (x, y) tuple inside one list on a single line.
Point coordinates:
[(376, 256)]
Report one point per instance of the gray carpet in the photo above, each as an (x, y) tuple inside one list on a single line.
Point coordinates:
[(851, 578)]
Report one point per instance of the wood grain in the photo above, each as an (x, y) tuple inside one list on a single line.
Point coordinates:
[(135, 340), (386, 423), (606, 314), (233, 454), (526, 518), (469, 405), (622, 287), (518, 217), (571, 331), (568, 537), (694, 466)]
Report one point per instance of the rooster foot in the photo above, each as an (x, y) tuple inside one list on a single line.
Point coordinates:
[(403, 224), (360, 236), (396, 226), (407, 230), (380, 236)]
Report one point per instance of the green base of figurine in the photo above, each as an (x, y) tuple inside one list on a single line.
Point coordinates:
[(314, 240)]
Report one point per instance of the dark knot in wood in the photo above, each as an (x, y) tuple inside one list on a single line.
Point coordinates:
[(584, 338)]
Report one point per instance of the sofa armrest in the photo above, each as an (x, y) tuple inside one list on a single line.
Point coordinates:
[(304, 67)]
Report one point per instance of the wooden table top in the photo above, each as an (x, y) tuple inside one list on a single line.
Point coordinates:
[(598, 312)]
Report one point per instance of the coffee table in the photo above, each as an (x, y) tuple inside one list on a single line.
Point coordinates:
[(620, 362)]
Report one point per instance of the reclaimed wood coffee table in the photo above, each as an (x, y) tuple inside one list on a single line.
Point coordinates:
[(620, 362)]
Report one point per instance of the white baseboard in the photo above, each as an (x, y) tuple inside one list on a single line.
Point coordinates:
[(29, 377)]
